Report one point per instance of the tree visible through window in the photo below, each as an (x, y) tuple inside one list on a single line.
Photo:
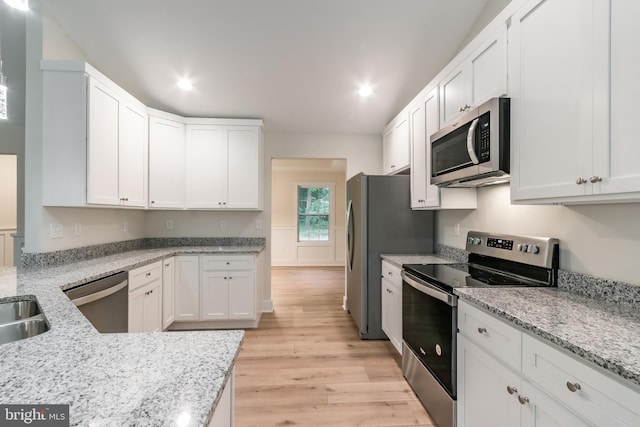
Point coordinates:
[(313, 213)]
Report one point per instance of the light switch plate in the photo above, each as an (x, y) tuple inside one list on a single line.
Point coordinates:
[(56, 231)]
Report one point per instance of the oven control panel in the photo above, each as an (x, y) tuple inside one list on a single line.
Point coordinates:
[(527, 249)]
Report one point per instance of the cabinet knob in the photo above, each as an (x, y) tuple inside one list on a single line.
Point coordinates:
[(595, 179), (230, 277), (573, 387), (465, 108), (511, 390), (523, 399), (580, 180), (148, 274), (482, 330), (153, 201), (167, 265), (390, 273)]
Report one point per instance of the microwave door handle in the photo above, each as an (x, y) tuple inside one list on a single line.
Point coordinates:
[(471, 139)]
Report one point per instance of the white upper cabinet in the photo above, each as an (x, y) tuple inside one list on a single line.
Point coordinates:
[(480, 76), (574, 68), (94, 139), (395, 145), (166, 163), (224, 166)]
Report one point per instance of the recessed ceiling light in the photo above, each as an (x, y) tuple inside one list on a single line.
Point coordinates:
[(185, 84), (365, 90), (18, 4)]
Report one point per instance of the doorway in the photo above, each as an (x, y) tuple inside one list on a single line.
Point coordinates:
[(8, 206), (308, 212)]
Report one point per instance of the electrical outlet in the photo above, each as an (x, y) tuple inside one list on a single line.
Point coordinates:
[(258, 224), (456, 229), (125, 227), (169, 224), (223, 225), (77, 229), (56, 231)]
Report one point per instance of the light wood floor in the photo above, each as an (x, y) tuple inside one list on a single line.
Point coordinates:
[(305, 364)]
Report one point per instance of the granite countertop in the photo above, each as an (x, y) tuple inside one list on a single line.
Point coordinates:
[(113, 379), (399, 259), (600, 332)]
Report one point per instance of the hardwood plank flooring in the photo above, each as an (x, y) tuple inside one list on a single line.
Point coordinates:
[(305, 364)]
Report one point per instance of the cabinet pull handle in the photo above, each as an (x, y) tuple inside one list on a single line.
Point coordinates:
[(523, 399), (595, 179), (580, 180), (482, 330), (573, 387), (511, 390)]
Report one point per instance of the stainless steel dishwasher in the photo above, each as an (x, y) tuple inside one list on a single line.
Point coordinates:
[(104, 302)]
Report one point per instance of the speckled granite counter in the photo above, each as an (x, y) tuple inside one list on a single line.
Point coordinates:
[(399, 259), (113, 379), (604, 333)]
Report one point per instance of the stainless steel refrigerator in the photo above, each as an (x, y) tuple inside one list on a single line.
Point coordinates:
[(379, 221)]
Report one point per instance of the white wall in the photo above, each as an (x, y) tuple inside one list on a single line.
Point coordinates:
[(599, 240), (286, 250)]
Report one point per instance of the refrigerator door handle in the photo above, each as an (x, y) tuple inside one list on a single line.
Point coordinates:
[(350, 236)]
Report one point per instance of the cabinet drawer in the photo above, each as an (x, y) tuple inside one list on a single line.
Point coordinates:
[(391, 273), (596, 397), (226, 262), (493, 335), (143, 275)]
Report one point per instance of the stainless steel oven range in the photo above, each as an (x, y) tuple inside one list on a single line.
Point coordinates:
[(430, 314)]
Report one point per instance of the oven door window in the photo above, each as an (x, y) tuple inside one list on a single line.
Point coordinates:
[(429, 329)]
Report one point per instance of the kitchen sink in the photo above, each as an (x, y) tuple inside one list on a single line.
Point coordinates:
[(20, 320), (22, 329), (17, 310)]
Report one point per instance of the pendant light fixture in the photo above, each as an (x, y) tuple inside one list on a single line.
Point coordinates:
[(18, 4)]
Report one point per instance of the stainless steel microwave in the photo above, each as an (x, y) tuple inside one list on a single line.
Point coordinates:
[(473, 151)]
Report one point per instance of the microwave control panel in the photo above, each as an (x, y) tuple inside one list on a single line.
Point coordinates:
[(484, 138)]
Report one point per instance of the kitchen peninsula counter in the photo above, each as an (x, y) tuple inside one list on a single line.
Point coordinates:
[(151, 379)]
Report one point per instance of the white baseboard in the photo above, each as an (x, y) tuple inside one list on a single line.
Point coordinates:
[(267, 306)]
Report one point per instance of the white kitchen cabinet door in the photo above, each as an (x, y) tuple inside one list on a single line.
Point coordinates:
[(617, 163), (483, 397), (244, 172), (242, 295), (424, 122), (214, 295), (558, 96), (481, 76), (102, 150), (168, 292), (540, 410), (391, 285), (187, 288), (132, 156), (145, 308), (166, 163), (396, 151), (206, 166)]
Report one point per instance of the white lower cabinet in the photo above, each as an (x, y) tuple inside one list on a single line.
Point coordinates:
[(391, 285), (216, 291), (509, 378), (145, 298), (168, 292), (223, 416)]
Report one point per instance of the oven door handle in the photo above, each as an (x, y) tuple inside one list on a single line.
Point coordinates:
[(430, 290)]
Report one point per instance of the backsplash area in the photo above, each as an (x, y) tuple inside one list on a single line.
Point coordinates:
[(66, 256), (575, 283)]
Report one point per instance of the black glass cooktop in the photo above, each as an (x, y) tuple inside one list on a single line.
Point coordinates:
[(449, 276)]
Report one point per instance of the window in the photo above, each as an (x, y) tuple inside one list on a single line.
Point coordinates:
[(314, 205)]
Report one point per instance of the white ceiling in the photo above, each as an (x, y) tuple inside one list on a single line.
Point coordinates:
[(296, 64)]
